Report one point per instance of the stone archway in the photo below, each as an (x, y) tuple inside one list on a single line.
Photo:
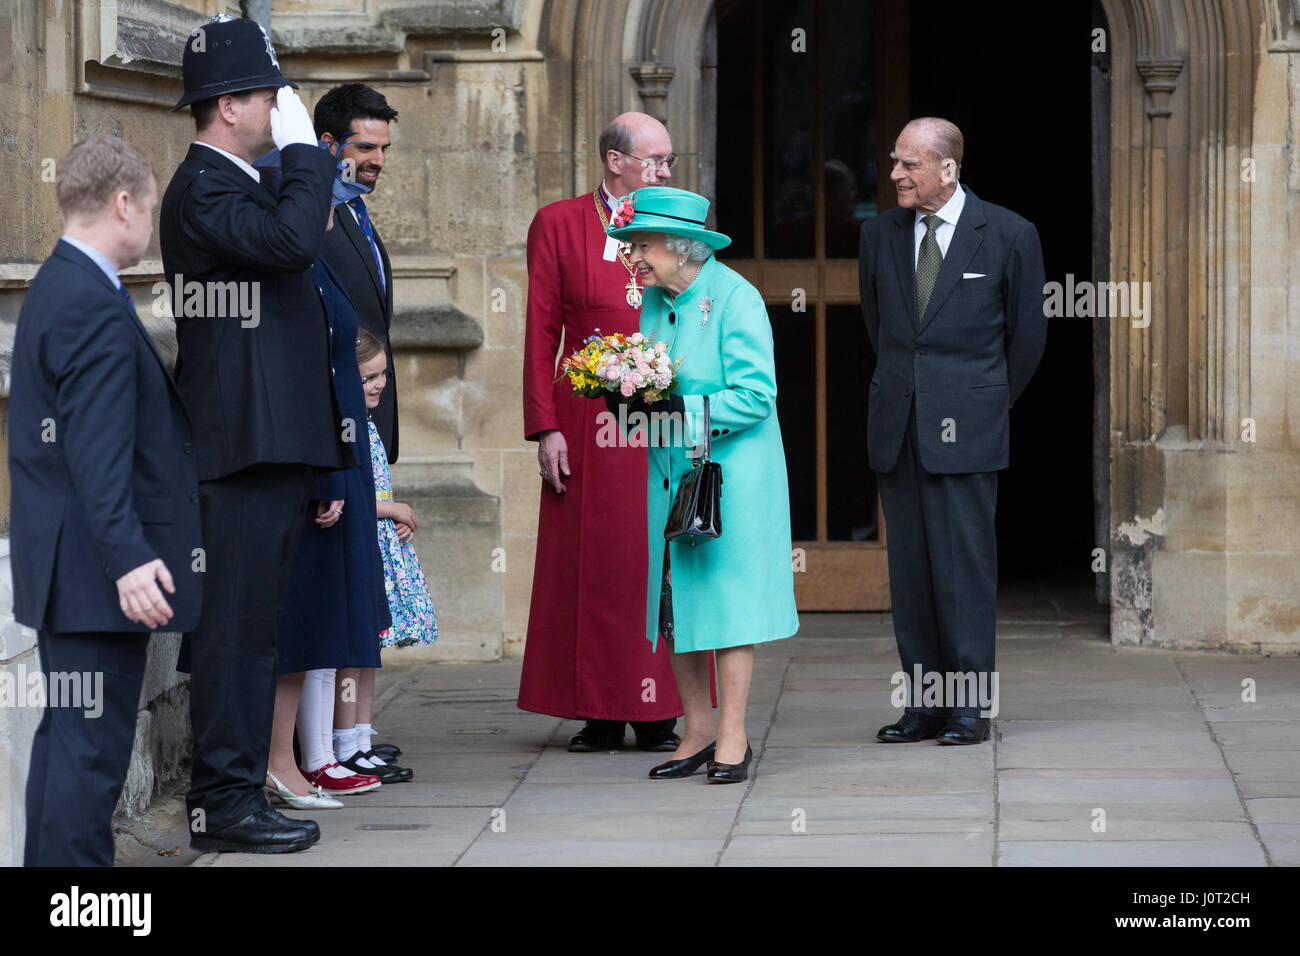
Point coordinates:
[(1182, 116), (639, 55)]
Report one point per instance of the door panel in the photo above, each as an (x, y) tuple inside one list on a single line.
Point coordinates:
[(799, 92)]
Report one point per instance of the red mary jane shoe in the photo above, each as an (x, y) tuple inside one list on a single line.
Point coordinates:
[(353, 783)]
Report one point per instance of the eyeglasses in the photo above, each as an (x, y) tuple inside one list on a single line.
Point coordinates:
[(654, 162)]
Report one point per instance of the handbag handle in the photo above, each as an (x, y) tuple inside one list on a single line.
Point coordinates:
[(708, 441)]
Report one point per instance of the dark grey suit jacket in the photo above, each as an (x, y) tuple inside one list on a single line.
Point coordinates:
[(348, 254), (966, 361)]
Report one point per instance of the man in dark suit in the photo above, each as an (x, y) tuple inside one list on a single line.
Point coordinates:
[(354, 119), (952, 294), (105, 514), (257, 382)]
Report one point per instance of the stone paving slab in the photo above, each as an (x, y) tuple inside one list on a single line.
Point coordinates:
[(1131, 853), (878, 758), (891, 849), (349, 837), (568, 852), (669, 823), (1121, 829), (1282, 841), (1242, 736), (1188, 773)]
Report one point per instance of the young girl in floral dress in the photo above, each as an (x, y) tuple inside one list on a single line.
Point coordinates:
[(411, 607)]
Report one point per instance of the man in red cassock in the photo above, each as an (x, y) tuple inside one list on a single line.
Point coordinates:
[(586, 655)]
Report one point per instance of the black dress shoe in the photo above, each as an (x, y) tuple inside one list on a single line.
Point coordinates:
[(309, 825), (386, 774), (656, 735), (684, 767), (598, 735), (730, 772), (965, 730), (387, 751), (259, 832), (911, 728)]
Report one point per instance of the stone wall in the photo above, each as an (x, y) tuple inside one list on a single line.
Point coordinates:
[(1205, 399)]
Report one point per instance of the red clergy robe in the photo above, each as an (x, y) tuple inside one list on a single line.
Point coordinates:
[(586, 654)]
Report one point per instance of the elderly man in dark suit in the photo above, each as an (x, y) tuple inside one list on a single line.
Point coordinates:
[(105, 515), (952, 295), (257, 383)]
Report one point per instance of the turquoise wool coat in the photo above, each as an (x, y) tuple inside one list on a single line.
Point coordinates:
[(737, 589)]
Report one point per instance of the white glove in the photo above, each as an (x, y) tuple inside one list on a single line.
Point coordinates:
[(290, 122)]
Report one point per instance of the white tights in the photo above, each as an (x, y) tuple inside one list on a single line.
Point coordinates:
[(316, 720)]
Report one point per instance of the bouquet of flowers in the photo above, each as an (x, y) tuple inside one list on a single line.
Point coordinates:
[(629, 365)]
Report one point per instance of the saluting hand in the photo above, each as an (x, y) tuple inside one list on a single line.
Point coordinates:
[(290, 122), (139, 597)]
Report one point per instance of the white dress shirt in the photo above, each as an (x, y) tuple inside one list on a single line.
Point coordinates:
[(257, 177), (949, 213), (97, 257)]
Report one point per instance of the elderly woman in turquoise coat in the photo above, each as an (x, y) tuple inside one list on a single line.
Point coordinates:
[(737, 590)]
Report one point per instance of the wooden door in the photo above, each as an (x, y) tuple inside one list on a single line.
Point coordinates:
[(804, 86)]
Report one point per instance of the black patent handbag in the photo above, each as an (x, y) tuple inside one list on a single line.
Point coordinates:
[(697, 509)]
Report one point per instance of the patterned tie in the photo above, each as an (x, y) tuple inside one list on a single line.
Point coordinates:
[(927, 265), (363, 219), (127, 295)]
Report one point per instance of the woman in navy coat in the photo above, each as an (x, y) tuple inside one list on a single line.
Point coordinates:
[(335, 605)]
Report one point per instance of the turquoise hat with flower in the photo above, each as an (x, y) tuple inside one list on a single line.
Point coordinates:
[(679, 212)]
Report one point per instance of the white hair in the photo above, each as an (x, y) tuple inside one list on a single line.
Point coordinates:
[(693, 249)]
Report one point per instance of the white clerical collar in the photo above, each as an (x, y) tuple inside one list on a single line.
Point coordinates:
[(95, 256), (257, 177), (950, 212)]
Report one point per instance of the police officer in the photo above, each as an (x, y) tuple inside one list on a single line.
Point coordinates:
[(255, 373)]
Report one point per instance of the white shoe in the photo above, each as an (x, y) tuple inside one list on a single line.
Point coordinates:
[(316, 800)]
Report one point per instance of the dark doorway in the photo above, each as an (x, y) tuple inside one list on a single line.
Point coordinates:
[(826, 85), (1018, 85)]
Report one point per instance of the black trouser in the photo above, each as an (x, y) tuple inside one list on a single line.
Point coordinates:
[(80, 757), (251, 524), (943, 574)]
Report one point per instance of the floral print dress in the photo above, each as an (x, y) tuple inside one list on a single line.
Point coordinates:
[(411, 607)]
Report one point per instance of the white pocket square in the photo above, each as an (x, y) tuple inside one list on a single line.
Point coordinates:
[(972, 275)]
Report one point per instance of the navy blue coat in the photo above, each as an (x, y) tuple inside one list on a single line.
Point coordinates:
[(336, 605), (101, 457), (258, 393), (966, 361)]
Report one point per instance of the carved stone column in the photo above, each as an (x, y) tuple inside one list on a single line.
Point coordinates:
[(652, 81), (1160, 77)]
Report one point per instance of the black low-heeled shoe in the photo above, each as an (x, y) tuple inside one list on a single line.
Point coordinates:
[(730, 772), (684, 767)]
